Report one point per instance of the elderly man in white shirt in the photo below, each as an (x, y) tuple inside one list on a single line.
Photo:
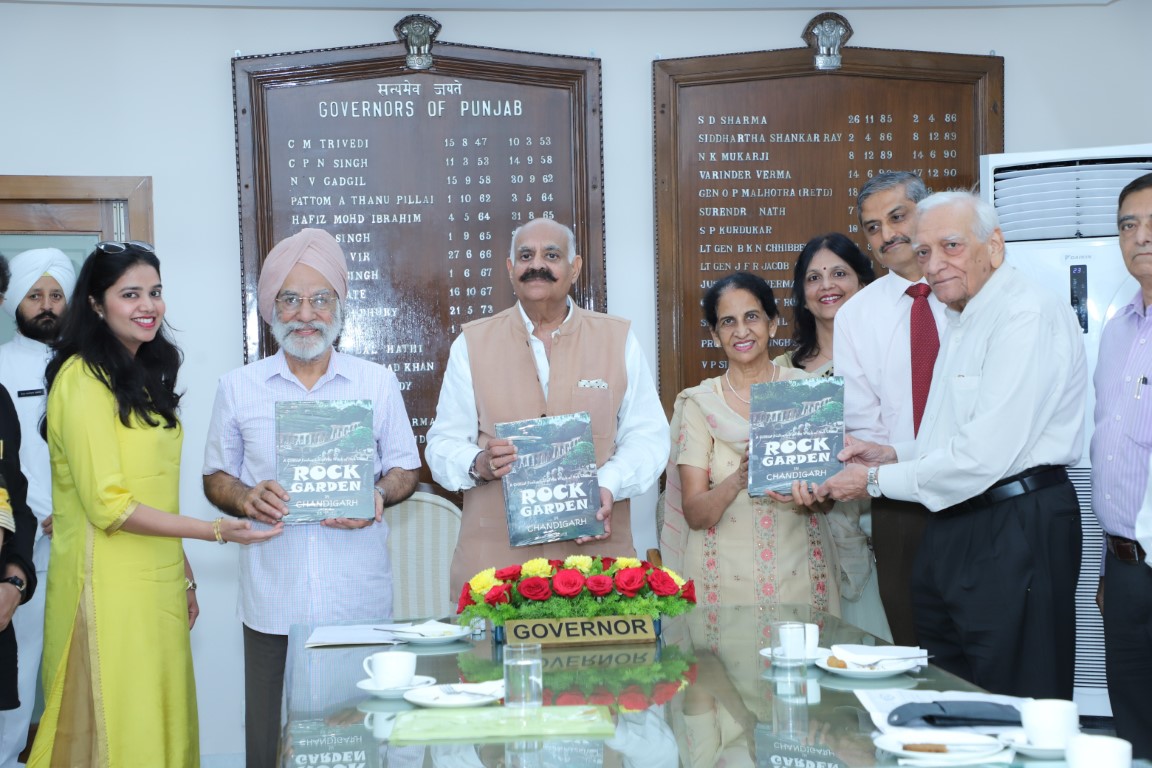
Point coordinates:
[(995, 578), (874, 343)]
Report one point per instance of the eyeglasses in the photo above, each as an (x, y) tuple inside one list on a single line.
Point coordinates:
[(112, 247), (320, 302)]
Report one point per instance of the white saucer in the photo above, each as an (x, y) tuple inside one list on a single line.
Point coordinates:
[(414, 639), (1018, 743), (419, 681), (975, 746), (891, 669), (435, 696), (821, 653)]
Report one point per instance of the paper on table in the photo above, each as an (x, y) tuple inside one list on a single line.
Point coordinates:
[(496, 724), (866, 655), (1003, 757), (352, 634), (881, 701)]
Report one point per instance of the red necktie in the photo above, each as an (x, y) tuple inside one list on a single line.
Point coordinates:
[(924, 343)]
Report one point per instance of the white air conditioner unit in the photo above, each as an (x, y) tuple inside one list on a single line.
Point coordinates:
[(1058, 214)]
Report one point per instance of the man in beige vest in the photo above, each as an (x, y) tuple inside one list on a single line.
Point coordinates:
[(542, 357)]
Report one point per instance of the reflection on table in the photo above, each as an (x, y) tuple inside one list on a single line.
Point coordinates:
[(701, 697)]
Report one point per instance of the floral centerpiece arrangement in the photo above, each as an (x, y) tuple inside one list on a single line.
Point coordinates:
[(579, 586), (628, 688)]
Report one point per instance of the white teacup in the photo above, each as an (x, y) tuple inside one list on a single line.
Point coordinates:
[(391, 669), (380, 723), (1049, 723), (811, 639), (1090, 750)]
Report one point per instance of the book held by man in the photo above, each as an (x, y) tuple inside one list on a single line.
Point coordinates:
[(797, 429), (551, 494), (325, 453)]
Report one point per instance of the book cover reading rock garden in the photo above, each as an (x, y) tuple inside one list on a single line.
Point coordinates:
[(551, 494), (324, 459), (797, 431)]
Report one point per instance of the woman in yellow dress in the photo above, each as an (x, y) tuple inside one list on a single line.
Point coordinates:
[(117, 666)]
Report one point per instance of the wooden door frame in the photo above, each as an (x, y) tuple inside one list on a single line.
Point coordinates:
[(134, 191)]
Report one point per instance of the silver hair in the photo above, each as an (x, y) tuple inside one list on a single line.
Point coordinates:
[(281, 331), (571, 237), (984, 218), (914, 187)]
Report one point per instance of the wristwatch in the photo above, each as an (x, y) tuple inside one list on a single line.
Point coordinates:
[(874, 482), (15, 581), (473, 474)]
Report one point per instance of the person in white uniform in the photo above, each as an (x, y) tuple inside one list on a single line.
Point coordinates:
[(38, 294)]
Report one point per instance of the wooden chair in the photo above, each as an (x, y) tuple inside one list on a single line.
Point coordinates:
[(423, 530)]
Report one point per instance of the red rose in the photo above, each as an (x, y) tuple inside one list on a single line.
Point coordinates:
[(630, 581), (633, 698), (603, 698), (662, 584), (570, 699), (547, 700), (690, 675), (501, 593), (556, 564), (511, 573), (688, 592), (568, 582), (606, 562), (662, 693), (535, 588), (599, 584), (465, 599)]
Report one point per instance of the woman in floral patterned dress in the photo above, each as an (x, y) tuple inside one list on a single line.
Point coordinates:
[(741, 550)]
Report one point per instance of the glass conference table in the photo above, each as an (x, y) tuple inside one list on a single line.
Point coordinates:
[(701, 697)]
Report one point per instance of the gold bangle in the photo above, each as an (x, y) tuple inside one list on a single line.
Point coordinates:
[(216, 530)]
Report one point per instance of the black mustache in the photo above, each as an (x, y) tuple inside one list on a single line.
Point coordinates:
[(540, 273), (46, 314), (899, 239)]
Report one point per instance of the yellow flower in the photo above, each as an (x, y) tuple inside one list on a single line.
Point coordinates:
[(483, 581), (537, 567), (582, 563), (675, 576), (625, 562)]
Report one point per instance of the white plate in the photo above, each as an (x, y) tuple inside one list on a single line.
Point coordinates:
[(1018, 743), (976, 746), (833, 683), (434, 639), (436, 696), (772, 653), (418, 681), (890, 669)]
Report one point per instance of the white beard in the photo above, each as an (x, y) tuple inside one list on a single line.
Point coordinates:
[(307, 349)]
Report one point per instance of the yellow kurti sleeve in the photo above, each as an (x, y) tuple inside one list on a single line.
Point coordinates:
[(83, 421)]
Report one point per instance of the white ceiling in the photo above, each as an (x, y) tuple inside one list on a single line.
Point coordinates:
[(586, 5)]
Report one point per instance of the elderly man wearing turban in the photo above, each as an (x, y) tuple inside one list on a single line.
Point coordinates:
[(36, 297), (329, 572)]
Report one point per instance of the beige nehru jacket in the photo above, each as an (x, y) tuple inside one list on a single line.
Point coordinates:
[(589, 346)]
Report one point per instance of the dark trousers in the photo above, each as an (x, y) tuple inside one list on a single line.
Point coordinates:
[(1128, 650), (995, 590), (897, 528), (264, 659)]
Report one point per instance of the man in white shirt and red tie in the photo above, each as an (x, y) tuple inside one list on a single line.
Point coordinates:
[(994, 583), (885, 337), (1121, 491)]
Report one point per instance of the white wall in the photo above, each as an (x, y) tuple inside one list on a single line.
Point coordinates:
[(147, 91)]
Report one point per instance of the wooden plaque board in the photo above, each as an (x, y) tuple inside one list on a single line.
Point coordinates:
[(422, 176), (756, 153)]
